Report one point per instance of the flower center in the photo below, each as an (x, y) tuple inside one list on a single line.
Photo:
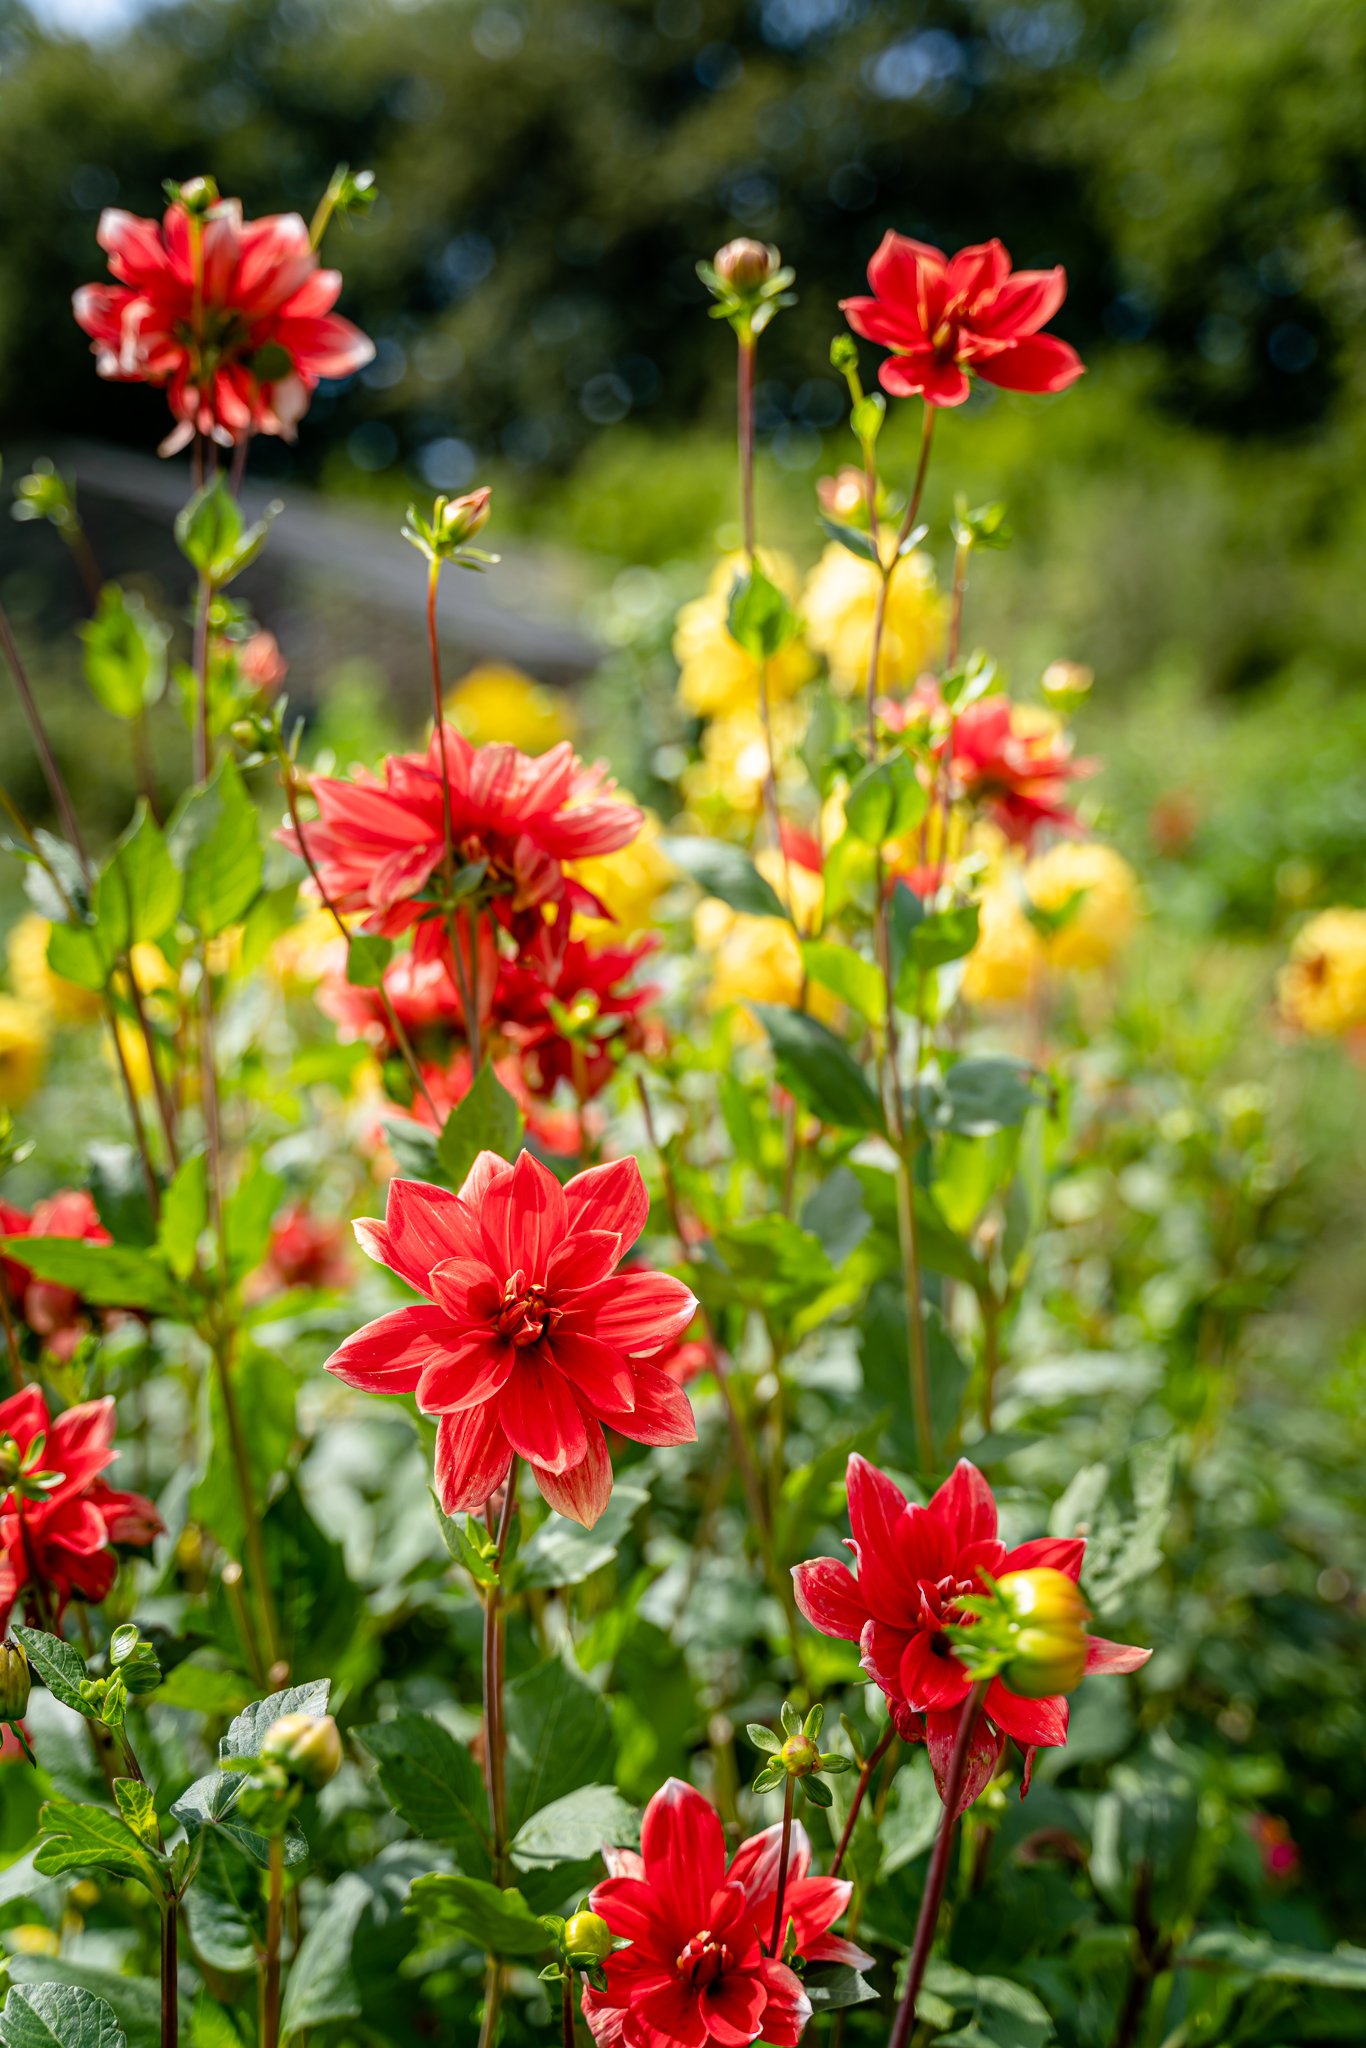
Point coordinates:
[(944, 340), (939, 1600), (703, 1960), (524, 1313)]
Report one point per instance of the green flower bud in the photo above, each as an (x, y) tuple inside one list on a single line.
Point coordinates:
[(1048, 1618), (134, 1659), (745, 264), (587, 1940), (799, 1756), (15, 1682), (459, 519), (307, 1746)]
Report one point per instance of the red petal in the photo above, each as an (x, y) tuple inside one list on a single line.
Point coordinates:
[(662, 1414), (941, 383), (470, 1370), (684, 1851), (977, 272), (472, 1459), (754, 1867), (631, 1910), (1039, 1723), (540, 1416), (524, 1218), (965, 1505), (932, 1683), (828, 1595), (1057, 1553), (390, 1355), (984, 1755), (788, 2008), (733, 2008), (581, 1493), (636, 1313), (1039, 363), (600, 1376), (609, 1197), (1102, 1656), (582, 1260), (672, 2012), (1026, 302), (904, 271)]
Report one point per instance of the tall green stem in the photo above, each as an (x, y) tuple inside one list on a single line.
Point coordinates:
[(270, 1976), (468, 982), (860, 1793), (170, 1974), (937, 1876)]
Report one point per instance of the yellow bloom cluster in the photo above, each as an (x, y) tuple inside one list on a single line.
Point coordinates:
[(838, 604), (498, 702), (23, 1050), (734, 759), (1322, 988), (34, 982), (628, 883), (1091, 882), (716, 678), (759, 959)]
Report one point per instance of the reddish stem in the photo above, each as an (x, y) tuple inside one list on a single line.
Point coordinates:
[(860, 1792), (775, 1940), (939, 1868)]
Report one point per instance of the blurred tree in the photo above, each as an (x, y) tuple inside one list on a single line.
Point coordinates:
[(550, 170)]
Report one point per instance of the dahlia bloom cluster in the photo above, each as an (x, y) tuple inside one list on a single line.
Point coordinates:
[(1086, 903), (63, 1546), (528, 1340), (232, 318), (913, 1568), (698, 1969), (56, 1315)]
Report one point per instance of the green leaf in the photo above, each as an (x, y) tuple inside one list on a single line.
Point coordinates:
[(124, 652), (887, 800), (77, 952), (136, 2000), (727, 872), (852, 537), (762, 1738), (215, 841), (58, 2016), (139, 889), (559, 1737), (106, 1275), (831, 1985), (573, 1829), (563, 1553), (79, 1837), (433, 1783), (212, 536), (768, 1263), (202, 1689), (820, 1070), (60, 1667), (249, 1728), (986, 1094), (1001, 2014), (356, 1944), (499, 1922), (486, 1120), (367, 956), (759, 617), (119, 1187), (1250, 1955), (848, 975), (184, 1213), (210, 1806), (251, 1211), (937, 938), (134, 1801)]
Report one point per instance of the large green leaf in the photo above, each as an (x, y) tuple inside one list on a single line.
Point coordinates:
[(356, 1945), (135, 2000), (487, 1120), (559, 1736), (575, 1828), (848, 975), (249, 1728), (61, 1668), (215, 840), (107, 1275), (79, 1837), (124, 652), (724, 870), (564, 1553), (434, 1784), (499, 1922), (1252, 1955), (985, 1094), (58, 2016), (210, 1806), (820, 1070), (759, 617), (139, 888)]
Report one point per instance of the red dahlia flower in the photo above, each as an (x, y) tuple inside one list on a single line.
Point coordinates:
[(591, 988), (528, 1339), (55, 1314), (60, 1546), (377, 842), (696, 1971), (1016, 765), (914, 1566), (944, 318), (555, 1130), (421, 987), (233, 318)]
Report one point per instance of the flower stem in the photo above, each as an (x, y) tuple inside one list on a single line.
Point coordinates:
[(493, 2000), (494, 1736), (52, 774), (908, 1231), (270, 1978), (744, 413), (938, 1873), (469, 994), (567, 2007), (860, 1793), (170, 1974), (775, 1940)]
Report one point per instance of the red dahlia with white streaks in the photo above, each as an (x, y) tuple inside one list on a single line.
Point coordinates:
[(528, 1340), (913, 1567)]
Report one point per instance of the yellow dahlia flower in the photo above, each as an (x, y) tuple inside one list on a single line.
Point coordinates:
[(23, 1050), (1322, 988), (498, 702), (716, 678), (1009, 955), (629, 883), (838, 605), (1107, 902), (735, 758), (34, 982), (305, 951), (753, 959)]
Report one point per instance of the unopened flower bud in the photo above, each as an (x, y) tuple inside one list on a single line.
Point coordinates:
[(9, 1462), (745, 264), (459, 519), (134, 1659), (587, 1940), (799, 1756), (1049, 1620), (307, 1746), (197, 195), (1066, 683), (15, 1682)]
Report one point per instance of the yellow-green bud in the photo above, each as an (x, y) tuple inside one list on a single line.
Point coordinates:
[(459, 519), (15, 1683), (1066, 683), (1049, 1620), (799, 1756), (587, 1939), (307, 1746), (745, 264), (134, 1659)]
